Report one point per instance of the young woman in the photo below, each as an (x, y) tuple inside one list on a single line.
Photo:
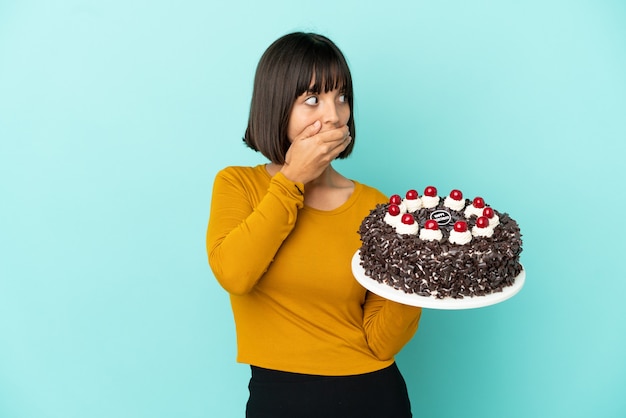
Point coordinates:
[(280, 240)]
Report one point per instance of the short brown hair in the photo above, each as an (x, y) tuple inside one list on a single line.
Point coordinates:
[(284, 73)]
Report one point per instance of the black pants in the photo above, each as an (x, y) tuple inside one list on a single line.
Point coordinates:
[(275, 394)]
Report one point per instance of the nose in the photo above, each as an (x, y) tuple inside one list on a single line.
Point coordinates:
[(331, 115)]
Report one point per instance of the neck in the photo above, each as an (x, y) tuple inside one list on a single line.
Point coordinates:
[(326, 192), (325, 179)]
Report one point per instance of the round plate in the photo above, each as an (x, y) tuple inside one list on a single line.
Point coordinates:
[(468, 302)]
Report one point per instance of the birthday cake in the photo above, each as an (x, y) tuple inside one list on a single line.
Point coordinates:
[(437, 247)]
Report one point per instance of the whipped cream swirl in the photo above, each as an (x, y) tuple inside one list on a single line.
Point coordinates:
[(430, 202), (493, 222), (430, 234), (482, 232), (406, 229), (411, 205), (393, 220), (472, 210), (457, 205), (460, 238)]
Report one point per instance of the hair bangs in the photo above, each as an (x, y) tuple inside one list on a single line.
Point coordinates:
[(323, 70)]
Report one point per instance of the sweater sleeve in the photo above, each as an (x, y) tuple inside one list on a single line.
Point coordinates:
[(243, 234), (388, 325)]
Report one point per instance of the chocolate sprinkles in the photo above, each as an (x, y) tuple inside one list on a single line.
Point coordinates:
[(440, 269)]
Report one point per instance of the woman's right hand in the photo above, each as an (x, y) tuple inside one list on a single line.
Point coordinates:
[(312, 151)]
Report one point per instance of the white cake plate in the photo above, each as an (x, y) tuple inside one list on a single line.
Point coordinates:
[(468, 302)]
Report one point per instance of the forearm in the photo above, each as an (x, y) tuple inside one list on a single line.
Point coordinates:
[(388, 325), (242, 239)]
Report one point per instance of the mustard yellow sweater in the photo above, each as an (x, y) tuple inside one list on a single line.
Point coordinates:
[(286, 266)]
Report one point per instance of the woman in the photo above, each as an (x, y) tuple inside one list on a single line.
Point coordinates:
[(280, 240)]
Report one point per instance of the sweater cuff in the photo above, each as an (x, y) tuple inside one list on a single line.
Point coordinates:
[(291, 189)]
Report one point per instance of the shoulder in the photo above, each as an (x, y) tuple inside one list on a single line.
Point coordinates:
[(242, 173), (235, 170), (369, 194), (240, 180)]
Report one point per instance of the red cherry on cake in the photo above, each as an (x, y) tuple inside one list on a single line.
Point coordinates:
[(431, 224), (456, 194), (408, 219), (460, 226), (488, 212), (430, 191), (411, 194), (482, 222), (479, 202), (395, 199), (394, 210)]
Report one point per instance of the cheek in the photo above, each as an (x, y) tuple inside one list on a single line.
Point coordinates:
[(292, 126), (345, 116), (298, 122), (290, 132)]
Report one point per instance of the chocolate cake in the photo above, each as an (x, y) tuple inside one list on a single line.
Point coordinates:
[(442, 248)]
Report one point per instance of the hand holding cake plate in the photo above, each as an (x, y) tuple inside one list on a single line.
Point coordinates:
[(448, 303)]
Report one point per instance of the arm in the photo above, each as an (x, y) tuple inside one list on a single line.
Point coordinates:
[(243, 238), (388, 325)]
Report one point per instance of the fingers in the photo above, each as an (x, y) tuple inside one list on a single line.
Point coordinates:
[(312, 151), (332, 135), (330, 142), (333, 142), (310, 131), (335, 135)]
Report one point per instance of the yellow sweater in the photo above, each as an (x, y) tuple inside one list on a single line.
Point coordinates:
[(286, 266)]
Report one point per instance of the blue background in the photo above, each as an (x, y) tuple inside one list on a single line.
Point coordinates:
[(115, 117)]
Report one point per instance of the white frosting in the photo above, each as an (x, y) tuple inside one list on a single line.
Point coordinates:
[(457, 205), (482, 232), (411, 205), (430, 201), (405, 229), (393, 220), (473, 210), (493, 222), (460, 238), (430, 234)]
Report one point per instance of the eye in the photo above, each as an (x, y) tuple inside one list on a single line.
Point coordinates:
[(343, 98), (311, 100)]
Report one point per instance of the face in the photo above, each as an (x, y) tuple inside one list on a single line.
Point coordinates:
[(331, 108)]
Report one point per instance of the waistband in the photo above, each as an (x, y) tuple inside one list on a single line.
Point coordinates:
[(262, 374)]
